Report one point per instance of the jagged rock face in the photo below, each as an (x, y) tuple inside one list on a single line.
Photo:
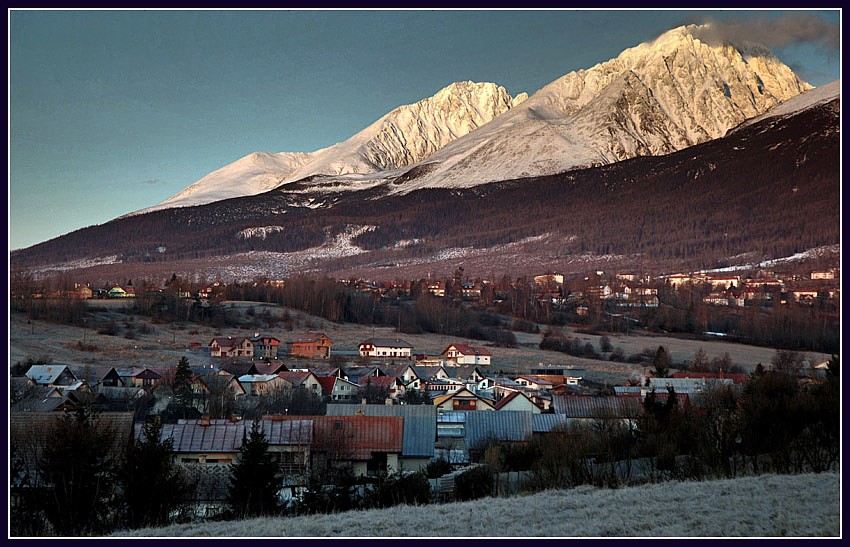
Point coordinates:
[(411, 133), (404, 136), (655, 98), (652, 99)]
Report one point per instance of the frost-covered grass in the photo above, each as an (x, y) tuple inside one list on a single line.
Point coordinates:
[(763, 506)]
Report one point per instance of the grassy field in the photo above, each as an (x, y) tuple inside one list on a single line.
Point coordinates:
[(165, 344), (764, 506)]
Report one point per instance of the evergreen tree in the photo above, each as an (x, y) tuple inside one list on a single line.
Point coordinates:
[(661, 362), (154, 487), (254, 482), (183, 383), (80, 467)]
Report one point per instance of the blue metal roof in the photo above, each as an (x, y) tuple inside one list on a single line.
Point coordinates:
[(506, 425)]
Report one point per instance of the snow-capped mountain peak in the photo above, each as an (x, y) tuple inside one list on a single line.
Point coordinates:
[(660, 96), (402, 137)]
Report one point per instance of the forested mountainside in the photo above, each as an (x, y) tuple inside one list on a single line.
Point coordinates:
[(770, 188)]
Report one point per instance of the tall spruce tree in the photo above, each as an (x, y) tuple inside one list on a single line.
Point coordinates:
[(254, 482), (183, 383), (80, 466), (154, 487), (661, 362)]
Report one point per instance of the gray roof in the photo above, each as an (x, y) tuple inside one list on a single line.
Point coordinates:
[(687, 385), (225, 436), (508, 425), (420, 424), (545, 423), (47, 374), (584, 406)]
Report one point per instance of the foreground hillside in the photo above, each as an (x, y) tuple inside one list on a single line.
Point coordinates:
[(764, 506)]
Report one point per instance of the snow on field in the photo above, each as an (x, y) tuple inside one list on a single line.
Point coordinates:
[(797, 257), (75, 265), (261, 232), (261, 263), (764, 506)]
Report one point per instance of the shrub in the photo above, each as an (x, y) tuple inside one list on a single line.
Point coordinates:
[(473, 484), (437, 468), (398, 489)]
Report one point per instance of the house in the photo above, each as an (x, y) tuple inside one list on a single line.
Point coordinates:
[(265, 347), (385, 348), (442, 385), (462, 399), (431, 372), (392, 384), (231, 347), (535, 382), (419, 429), (406, 373), (470, 291), (436, 288), (51, 399), (51, 375), (589, 409), (338, 389), (139, 377), (723, 282), (212, 384), (517, 400), (461, 433), (462, 354), (312, 345), (205, 448), (116, 292), (84, 293), (264, 384), (327, 371), (302, 379), (828, 274), (368, 445)]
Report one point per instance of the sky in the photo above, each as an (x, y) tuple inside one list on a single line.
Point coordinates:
[(112, 111)]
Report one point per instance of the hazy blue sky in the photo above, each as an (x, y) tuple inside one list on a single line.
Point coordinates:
[(114, 111)]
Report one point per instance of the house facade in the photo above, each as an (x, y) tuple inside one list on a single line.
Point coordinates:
[(311, 345), (231, 347), (462, 399), (462, 354), (265, 347), (386, 348)]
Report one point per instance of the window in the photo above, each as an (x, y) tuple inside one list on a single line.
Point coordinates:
[(463, 405)]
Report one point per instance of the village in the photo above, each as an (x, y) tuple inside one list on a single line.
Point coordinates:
[(386, 406)]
